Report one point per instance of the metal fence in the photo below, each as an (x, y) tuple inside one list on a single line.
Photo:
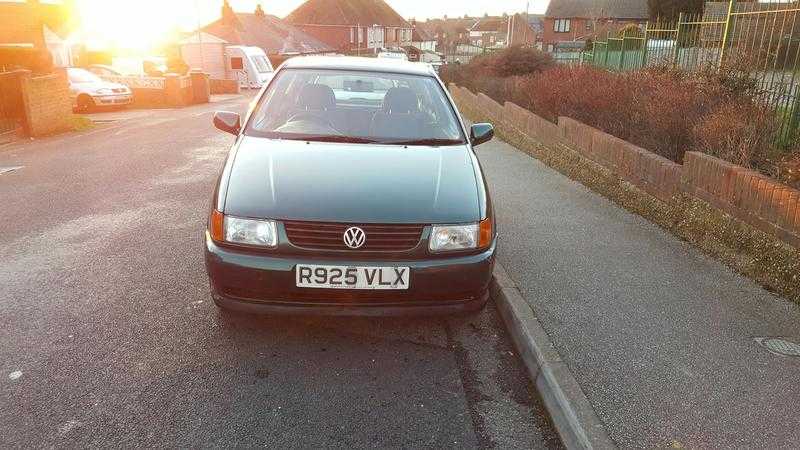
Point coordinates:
[(760, 42)]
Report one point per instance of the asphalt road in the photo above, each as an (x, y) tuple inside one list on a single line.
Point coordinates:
[(108, 336)]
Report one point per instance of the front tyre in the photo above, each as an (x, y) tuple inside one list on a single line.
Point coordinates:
[(85, 103)]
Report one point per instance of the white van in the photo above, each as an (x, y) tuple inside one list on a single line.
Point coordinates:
[(249, 65)]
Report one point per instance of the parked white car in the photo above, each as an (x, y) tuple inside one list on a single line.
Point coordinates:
[(102, 70), (89, 91)]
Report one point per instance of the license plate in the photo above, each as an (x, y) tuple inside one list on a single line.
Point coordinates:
[(349, 277)]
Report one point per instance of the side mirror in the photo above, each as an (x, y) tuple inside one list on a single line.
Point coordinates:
[(480, 133), (227, 121)]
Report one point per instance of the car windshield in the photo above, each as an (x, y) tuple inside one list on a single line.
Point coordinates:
[(356, 106), (82, 76)]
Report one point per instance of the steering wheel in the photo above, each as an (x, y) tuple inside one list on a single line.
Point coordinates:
[(312, 117)]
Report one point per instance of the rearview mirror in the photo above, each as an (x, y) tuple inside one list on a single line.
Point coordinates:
[(227, 121), (480, 133)]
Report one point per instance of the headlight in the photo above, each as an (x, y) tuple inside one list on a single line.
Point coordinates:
[(453, 237), (461, 237), (250, 231), (103, 91)]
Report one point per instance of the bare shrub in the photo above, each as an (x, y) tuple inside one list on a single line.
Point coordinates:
[(736, 131), (512, 61), (662, 110), (494, 73), (715, 111)]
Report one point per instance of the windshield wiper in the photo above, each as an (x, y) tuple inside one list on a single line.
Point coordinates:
[(329, 138), (432, 142)]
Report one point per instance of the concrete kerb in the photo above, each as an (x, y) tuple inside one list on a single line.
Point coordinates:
[(572, 414)]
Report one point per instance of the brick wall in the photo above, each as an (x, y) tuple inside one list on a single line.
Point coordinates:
[(12, 103), (490, 107), (745, 194), (48, 107), (224, 86), (171, 91), (655, 174)]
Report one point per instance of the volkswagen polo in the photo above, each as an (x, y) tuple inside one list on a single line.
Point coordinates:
[(352, 188)]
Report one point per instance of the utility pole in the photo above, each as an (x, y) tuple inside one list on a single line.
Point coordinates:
[(199, 34), (527, 24), (508, 32)]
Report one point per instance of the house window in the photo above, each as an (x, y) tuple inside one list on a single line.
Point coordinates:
[(352, 35), (588, 25), (360, 35), (561, 26), (550, 48), (237, 63)]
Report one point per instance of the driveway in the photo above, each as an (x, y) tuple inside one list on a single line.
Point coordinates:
[(108, 337)]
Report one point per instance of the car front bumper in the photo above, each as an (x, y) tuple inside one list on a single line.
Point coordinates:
[(261, 283)]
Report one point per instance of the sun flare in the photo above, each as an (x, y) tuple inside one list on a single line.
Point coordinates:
[(137, 26)]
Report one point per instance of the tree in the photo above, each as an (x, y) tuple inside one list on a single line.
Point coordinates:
[(669, 9)]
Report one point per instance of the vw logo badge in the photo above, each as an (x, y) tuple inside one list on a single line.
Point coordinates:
[(354, 237)]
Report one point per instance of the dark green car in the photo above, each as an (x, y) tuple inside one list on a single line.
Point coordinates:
[(352, 188)]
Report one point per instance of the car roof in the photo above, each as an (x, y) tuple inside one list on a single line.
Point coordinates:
[(386, 65)]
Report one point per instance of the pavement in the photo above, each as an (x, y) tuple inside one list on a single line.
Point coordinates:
[(663, 340), (108, 336)]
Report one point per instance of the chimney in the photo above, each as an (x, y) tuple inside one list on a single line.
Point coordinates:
[(228, 16), (260, 11)]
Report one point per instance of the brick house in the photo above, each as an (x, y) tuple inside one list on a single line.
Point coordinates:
[(504, 31), (23, 33), (21, 24), (421, 38), (353, 26), (275, 36), (576, 21), (449, 32)]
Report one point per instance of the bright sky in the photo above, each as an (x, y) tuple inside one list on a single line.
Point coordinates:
[(141, 24)]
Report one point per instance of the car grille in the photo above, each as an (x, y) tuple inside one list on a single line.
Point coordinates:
[(330, 236)]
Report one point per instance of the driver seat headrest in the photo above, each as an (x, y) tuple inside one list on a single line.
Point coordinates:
[(401, 100), (316, 97)]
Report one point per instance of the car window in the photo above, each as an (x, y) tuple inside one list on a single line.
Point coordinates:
[(356, 106), (82, 76), (262, 65)]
